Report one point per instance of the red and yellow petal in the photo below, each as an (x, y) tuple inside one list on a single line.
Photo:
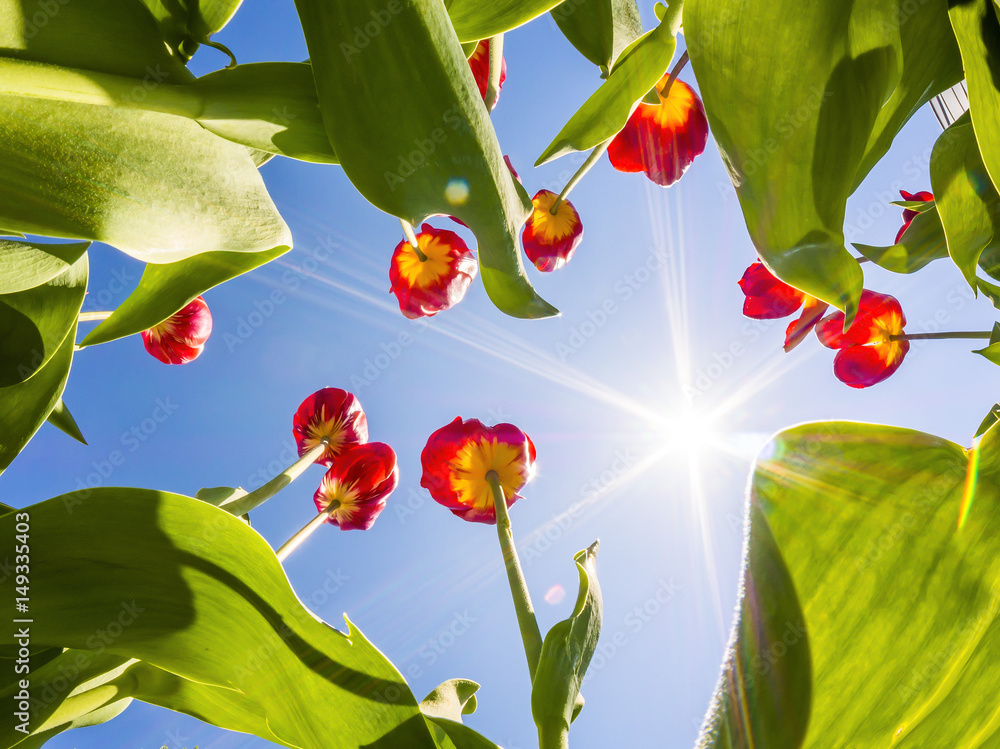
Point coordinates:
[(797, 330), (360, 480), (551, 239), (908, 213), (458, 457), (864, 366), (879, 316), (333, 414), (768, 297), (480, 66), (181, 337), (662, 139), (426, 287)]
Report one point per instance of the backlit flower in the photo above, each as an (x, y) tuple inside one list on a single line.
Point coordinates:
[(331, 414), (181, 337), (768, 298), (908, 213), (662, 139), (458, 457), (480, 64), (434, 279), (550, 239), (868, 354), (359, 480)]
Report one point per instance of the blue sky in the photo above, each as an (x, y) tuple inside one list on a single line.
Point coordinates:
[(651, 310)]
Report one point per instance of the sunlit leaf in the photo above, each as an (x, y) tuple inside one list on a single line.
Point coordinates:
[(451, 700), (430, 147), (599, 29), (24, 265), (836, 86), (607, 110), (165, 289), (869, 612), (474, 20), (63, 420)]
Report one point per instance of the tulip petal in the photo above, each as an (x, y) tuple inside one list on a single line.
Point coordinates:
[(479, 62), (798, 329), (768, 297), (864, 366), (360, 479), (551, 239), (181, 337), (333, 414), (436, 283)]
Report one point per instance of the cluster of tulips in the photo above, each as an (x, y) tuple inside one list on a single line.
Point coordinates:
[(874, 345)]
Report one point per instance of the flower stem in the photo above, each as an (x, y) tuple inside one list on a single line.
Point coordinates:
[(93, 316), (303, 533), (598, 151), (496, 66), (553, 738), (242, 505), (412, 239), (979, 335), (531, 636), (678, 67)]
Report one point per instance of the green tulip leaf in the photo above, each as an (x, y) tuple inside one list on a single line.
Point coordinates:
[(35, 322), (428, 149), (25, 265), (868, 613), (270, 106), (165, 289), (978, 34), (185, 24), (992, 351), (991, 418), (921, 243), (25, 406), (448, 734), (474, 20), (965, 197), (914, 205), (839, 82), (451, 700), (63, 420), (599, 29), (566, 653), (636, 71), (200, 595)]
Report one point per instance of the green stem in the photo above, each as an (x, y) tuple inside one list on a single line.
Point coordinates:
[(411, 237), (553, 737), (665, 91), (598, 151), (303, 533), (242, 505), (978, 335), (496, 66), (224, 49), (531, 636), (93, 316)]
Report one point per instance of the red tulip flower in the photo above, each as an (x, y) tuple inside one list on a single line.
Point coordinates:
[(331, 414), (662, 139), (768, 298), (359, 481), (458, 457), (434, 278), (551, 239), (868, 354), (480, 64), (908, 213), (181, 337)]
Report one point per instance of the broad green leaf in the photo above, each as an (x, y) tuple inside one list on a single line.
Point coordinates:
[(270, 106), (429, 148), (869, 613), (566, 653), (474, 20), (451, 700), (35, 322), (25, 265), (914, 205), (965, 197), (992, 291), (922, 242), (201, 595), (599, 29), (978, 34), (158, 187), (448, 734), (187, 23), (165, 289), (607, 110), (839, 80), (63, 420), (107, 36), (990, 419), (24, 407)]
